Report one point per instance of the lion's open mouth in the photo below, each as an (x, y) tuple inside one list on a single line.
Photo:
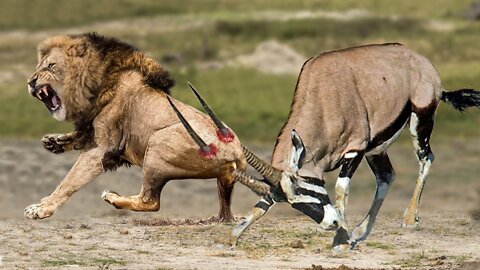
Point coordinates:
[(48, 96)]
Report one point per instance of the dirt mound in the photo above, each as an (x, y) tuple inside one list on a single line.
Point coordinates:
[(272, 57)]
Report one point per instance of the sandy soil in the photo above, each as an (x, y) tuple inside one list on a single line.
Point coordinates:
[(87, 233)]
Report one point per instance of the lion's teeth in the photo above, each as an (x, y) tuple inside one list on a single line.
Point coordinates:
[(38, 95), (44, 90)]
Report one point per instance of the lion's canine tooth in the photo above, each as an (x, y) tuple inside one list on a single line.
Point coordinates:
[(38, 95), (44, 90)]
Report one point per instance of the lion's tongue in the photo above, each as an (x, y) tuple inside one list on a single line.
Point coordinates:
[(55, 102)]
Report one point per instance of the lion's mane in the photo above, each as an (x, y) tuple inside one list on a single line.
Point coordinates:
[(93, 65)]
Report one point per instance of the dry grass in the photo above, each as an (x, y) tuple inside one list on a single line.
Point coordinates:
[(162, 222)]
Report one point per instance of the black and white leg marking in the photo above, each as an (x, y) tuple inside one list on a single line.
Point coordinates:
[(385, 175), (421, 126), (307, 194), (260, 209), (321, 211), (350, 163)]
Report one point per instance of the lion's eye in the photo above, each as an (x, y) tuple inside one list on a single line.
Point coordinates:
[(51, 65)]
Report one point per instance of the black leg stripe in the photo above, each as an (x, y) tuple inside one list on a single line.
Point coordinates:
[(313, 210), (263, 205), (268, 199), (350, 165), (314, 181), (341, 237)]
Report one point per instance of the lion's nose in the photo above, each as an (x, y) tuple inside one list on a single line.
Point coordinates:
[(33, 82)]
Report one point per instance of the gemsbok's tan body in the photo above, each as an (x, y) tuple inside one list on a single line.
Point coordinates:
[(353, 103), (349, 104), (348, 100)]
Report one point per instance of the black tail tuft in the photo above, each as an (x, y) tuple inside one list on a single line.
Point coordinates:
[(462, 99)]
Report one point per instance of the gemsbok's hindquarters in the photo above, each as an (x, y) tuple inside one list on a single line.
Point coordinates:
[(349, 104)]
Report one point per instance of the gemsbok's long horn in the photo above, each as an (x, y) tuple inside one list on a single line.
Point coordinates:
[(223, 133), (266, 170), (254, 184), (207, 151)]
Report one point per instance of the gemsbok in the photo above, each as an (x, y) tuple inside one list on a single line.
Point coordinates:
[(349, 104)]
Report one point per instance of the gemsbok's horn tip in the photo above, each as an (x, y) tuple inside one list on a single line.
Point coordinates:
[(191, 86), (223, 133)]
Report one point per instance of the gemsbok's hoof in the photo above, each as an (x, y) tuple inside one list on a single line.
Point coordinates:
[(232, 242), (410, 220), (341, 249), (413, 225)]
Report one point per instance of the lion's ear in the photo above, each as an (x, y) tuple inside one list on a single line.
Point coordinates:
[(77, 49)]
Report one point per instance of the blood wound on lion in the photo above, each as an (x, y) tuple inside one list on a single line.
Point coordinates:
[(208, 151), (225, 135)]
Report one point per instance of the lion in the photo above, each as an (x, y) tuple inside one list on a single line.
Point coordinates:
[(116, 98)]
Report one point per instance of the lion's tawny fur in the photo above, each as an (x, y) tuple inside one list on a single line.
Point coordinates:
[(116, 97)]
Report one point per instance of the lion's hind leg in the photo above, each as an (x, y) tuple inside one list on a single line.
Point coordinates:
[(148, 200), (58, 143), (225, 184), (225, 189), (134, 203)]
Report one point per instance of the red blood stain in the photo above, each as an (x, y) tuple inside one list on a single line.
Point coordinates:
[(228, 137), (208, 152)]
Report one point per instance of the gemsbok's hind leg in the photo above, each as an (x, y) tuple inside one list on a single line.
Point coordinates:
[(350, 163), (260, 209), (384, 174), (421, 126)]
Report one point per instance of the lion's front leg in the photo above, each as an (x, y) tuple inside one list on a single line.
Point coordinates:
[(59, 143), (85, 169)]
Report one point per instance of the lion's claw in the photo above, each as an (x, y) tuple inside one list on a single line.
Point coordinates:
[(56, 143), (37, 211)]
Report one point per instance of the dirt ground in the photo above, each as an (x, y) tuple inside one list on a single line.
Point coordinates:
[(87, 233)]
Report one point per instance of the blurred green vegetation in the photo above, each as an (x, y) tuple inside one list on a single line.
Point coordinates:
[(42, 14), (254, 104)]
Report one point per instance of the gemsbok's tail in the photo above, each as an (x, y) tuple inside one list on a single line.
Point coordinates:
[(462, 99)]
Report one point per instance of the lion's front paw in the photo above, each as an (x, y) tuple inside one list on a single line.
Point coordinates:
[(56, 143), (37, 211)]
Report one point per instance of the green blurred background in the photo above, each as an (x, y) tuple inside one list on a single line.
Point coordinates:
[(243, 56)]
